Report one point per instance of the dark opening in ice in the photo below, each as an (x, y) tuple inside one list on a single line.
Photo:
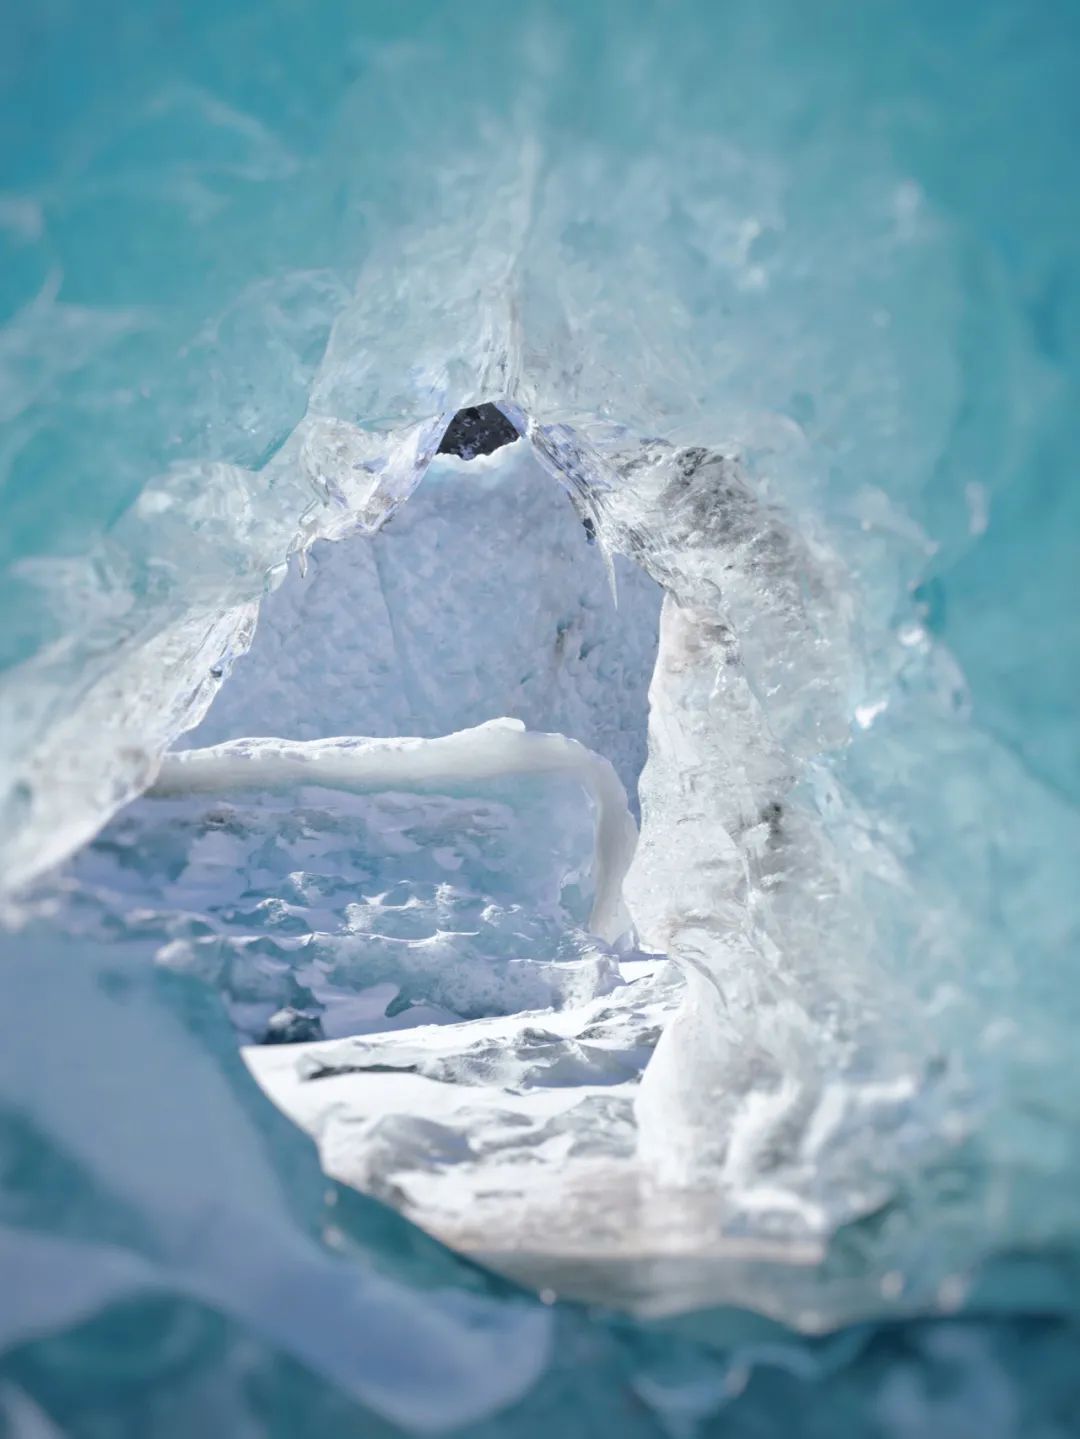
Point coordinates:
[(477, 430)]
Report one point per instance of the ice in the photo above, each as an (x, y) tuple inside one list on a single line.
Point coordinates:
[(389, 625), (736, 879), (459, 761), (794, 1086), (784, 311), (329, 888), (184, 1228)]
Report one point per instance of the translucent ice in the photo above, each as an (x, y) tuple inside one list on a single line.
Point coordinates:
[(784, 308), (499, 748)]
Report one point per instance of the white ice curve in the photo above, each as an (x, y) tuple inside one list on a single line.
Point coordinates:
[(489, 751)]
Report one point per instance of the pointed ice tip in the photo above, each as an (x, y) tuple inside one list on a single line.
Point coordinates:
[(477, 430)]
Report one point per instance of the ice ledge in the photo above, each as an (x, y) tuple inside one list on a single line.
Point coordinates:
[(489, 751)]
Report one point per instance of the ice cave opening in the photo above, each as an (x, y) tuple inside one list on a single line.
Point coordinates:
[(414, 965), (659, 1071)]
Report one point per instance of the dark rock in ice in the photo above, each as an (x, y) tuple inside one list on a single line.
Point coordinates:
[(292, 1026), (477, 430)]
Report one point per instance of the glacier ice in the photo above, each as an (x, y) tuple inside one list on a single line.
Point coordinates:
[(786, 309), (392, 889), (453, 763)]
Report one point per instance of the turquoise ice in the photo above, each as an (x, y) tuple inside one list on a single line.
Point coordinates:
[(784, 299)]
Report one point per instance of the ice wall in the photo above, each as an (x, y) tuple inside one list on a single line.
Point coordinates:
[(253, 260)]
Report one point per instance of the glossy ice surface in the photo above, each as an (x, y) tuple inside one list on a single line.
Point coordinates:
[(784, 302)]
